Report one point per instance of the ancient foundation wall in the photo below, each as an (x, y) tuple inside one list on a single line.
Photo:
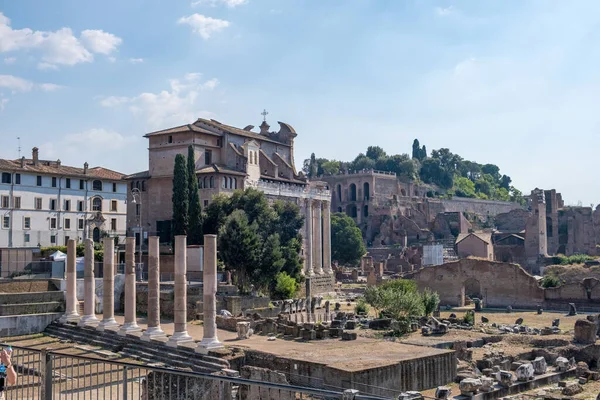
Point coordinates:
[(481, 207), (499, 284), (416, 374), (319, 284)]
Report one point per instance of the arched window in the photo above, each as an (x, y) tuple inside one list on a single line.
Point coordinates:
[(235, 183), (205, 183), (200, 183), (97, 204), (366, 211), (132, 185), (339, 193), (137, 184), (212, 182), (230, 183), (224, 183), (97, 186), (353, 192), (366, 191)]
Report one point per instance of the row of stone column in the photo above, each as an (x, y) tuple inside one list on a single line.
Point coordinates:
[(318, 231), (130, 326)]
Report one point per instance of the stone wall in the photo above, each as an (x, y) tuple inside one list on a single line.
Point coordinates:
[(512, 221), (479, 207), (502, 284), (319, 284), (236, 305), (499, 284)]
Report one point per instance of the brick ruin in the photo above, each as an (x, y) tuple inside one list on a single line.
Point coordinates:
[(394, 214)]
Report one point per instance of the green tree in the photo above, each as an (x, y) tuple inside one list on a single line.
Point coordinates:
[(375, 153), (216, 213), (431, 301), (331, 167), (347, 246), (240, 247), (271, 261), (285, 286), (416, 150), (433, 172), (180, 196), (362, 162), (195, 210), (492, 170), (464, 187)]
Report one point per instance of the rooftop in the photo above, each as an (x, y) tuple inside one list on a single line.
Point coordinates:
[(47, 167)]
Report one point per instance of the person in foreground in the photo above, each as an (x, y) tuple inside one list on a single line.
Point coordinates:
[(8, 376)]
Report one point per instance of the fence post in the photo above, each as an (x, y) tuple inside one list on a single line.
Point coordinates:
[(125, 383), (46, 374)]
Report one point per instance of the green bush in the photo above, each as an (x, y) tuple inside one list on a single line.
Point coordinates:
[(431, 300), (574, 259), (285, 286), (549, 281), (361, 307), (469, 318)]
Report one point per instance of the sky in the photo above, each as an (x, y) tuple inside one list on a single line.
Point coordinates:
[(515, 83)]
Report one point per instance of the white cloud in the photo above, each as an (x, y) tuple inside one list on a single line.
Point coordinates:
[(10, 60), (3, 103), (214, 3), (15, 84), (204, 26), (59, 47), (113, 101), (73, 149), (112, 59), (45, 66), (442, 12), (136, 60), (100, 42), (49, 87), (175, 106)]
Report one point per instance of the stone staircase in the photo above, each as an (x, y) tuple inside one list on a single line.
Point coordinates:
[(31, 303), (133, 347)]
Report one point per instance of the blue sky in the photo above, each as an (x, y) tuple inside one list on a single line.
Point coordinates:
[(515, 83)]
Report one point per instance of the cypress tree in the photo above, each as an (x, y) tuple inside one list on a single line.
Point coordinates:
[(416, 149), (195, 210), (180, 196)]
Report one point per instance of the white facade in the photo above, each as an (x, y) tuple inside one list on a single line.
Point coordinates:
[(46, 209)]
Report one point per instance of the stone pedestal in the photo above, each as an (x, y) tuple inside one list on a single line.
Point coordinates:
[(108, 298), (89, 283), (210, 340), (130, 324), (71, 314), (180, 334), (154, 330)]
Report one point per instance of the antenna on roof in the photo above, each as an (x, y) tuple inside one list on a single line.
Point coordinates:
[(19, 148)]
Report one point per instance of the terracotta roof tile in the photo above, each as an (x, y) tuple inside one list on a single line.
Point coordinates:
[(46, 167)]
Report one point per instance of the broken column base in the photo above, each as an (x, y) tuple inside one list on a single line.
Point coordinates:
[(207, 345), (70, 318), (128, 328), (109, 324), (179, 338), (89, 320), (153, 333)]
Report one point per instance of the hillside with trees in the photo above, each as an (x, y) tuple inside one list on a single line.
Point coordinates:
[(450, 174)]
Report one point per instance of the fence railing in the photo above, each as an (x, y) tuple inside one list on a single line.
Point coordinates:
[(48, 375)]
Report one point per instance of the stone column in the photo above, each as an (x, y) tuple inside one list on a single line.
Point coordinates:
[(71, 311), (210, 340), (309, 239), (317, 239), (89, 282), (327, 238), (108, 296), (154, 330), (180, 334), (130, 325)]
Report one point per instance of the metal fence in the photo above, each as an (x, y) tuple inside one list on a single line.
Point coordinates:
[(47, 375)]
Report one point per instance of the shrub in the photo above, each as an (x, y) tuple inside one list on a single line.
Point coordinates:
[(431, 300), (469, 318), (361, 307), (285, 286), (549, 281), (574, 259)]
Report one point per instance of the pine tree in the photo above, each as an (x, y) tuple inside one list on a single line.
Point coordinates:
[(416, 149), (180, 196), (423, 153), (195, 210)]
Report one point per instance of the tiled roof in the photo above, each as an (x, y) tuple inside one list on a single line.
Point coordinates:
[(183, 128), (46, 167), (214, 168), (234, 147), (237, 131), (483, 236), (138, 175)]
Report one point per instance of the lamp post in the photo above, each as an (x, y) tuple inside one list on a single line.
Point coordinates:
[(137, 200)]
